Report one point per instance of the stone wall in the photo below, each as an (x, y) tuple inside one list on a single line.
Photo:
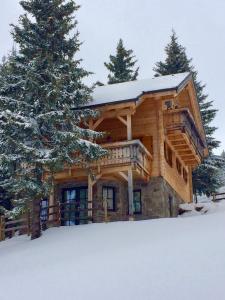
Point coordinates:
[(158, 198)]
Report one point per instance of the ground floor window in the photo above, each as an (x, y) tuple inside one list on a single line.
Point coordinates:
[(108, 194), (74, 206), (44, 210), (137, 202)]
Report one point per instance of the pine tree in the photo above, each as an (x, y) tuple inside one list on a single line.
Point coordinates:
[(5, 196), (205, 177), (122, 65), (41, 104)]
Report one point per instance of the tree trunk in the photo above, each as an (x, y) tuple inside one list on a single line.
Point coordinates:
[(35, 220), (196, 199)]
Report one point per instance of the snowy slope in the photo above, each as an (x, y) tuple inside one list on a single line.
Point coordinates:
[(169, 259)]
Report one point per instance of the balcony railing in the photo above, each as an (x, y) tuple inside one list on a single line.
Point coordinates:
[(180, 120), (127, 153)]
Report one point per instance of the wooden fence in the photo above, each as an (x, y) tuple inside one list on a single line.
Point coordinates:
[(66, 213), (9, 228), (51, 216), (218, 197)]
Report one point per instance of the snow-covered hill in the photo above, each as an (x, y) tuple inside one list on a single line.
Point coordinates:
[(169, 259)]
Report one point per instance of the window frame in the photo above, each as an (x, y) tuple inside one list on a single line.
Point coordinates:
[(44, 213), (179, 166), (113, 199), (138, 212), (185, 175)]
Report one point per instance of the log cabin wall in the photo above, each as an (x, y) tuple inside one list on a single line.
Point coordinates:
[(148, 127), (148, 122)]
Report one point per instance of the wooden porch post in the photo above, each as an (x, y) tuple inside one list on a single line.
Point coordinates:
[(90, 196), (2, 228), (51, 203), (129, 128), (35, 222), (130, 193)]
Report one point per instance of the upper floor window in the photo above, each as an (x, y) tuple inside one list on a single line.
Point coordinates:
[(168, 154), (179, 167), (108, 194), (185, 175)]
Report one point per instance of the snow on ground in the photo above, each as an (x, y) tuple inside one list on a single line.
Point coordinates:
[(180, 258)]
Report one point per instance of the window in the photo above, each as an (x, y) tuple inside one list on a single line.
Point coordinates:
[(168, 104), (137, 202), (108, 193), (185, 175), (168, 154), (44, 210), (179, 168)]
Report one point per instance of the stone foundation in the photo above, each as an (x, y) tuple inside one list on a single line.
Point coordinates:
[(158, 198)]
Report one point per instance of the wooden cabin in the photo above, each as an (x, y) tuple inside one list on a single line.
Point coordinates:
[(155, 138)]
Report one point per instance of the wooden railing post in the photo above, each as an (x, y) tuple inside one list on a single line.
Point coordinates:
[(58, 215), (90, 197), (28, 223), (2, 228)]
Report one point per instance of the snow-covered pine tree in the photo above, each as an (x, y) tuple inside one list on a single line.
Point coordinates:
[(122, 65), (41, 103), (205, 177), (5, 70)]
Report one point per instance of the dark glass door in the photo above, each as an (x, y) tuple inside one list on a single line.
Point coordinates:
[(74, 206)]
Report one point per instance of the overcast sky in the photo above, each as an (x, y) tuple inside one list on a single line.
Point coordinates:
[(145, 26)]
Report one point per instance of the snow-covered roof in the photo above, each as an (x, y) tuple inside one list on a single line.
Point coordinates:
[(132, 90)]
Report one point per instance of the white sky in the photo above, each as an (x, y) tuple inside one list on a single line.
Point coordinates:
[(145, 26)]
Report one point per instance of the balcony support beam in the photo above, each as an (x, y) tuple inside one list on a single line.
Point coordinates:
[(123, 175), (129, 128), (91, 183)]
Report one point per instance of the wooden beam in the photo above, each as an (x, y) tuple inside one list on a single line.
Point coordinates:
[(129, 128), (123, 175), (180, 147), (130, 192), (122, 120), (188, 156), (51, 203), (117, 107), (91, 122), (184, 152), (96, 179), (97, 123), (115, 113)]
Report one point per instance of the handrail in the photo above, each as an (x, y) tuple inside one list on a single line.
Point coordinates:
[(126, 143)]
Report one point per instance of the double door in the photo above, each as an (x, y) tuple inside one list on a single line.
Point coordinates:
[(74, 206)]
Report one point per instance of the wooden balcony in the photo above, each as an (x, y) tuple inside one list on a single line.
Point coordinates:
[(128, 153), (184, 136), (122, 158)]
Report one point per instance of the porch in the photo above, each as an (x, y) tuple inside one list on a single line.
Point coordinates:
[(126, 162)]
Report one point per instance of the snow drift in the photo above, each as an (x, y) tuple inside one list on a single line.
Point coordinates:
[(182, 258)]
